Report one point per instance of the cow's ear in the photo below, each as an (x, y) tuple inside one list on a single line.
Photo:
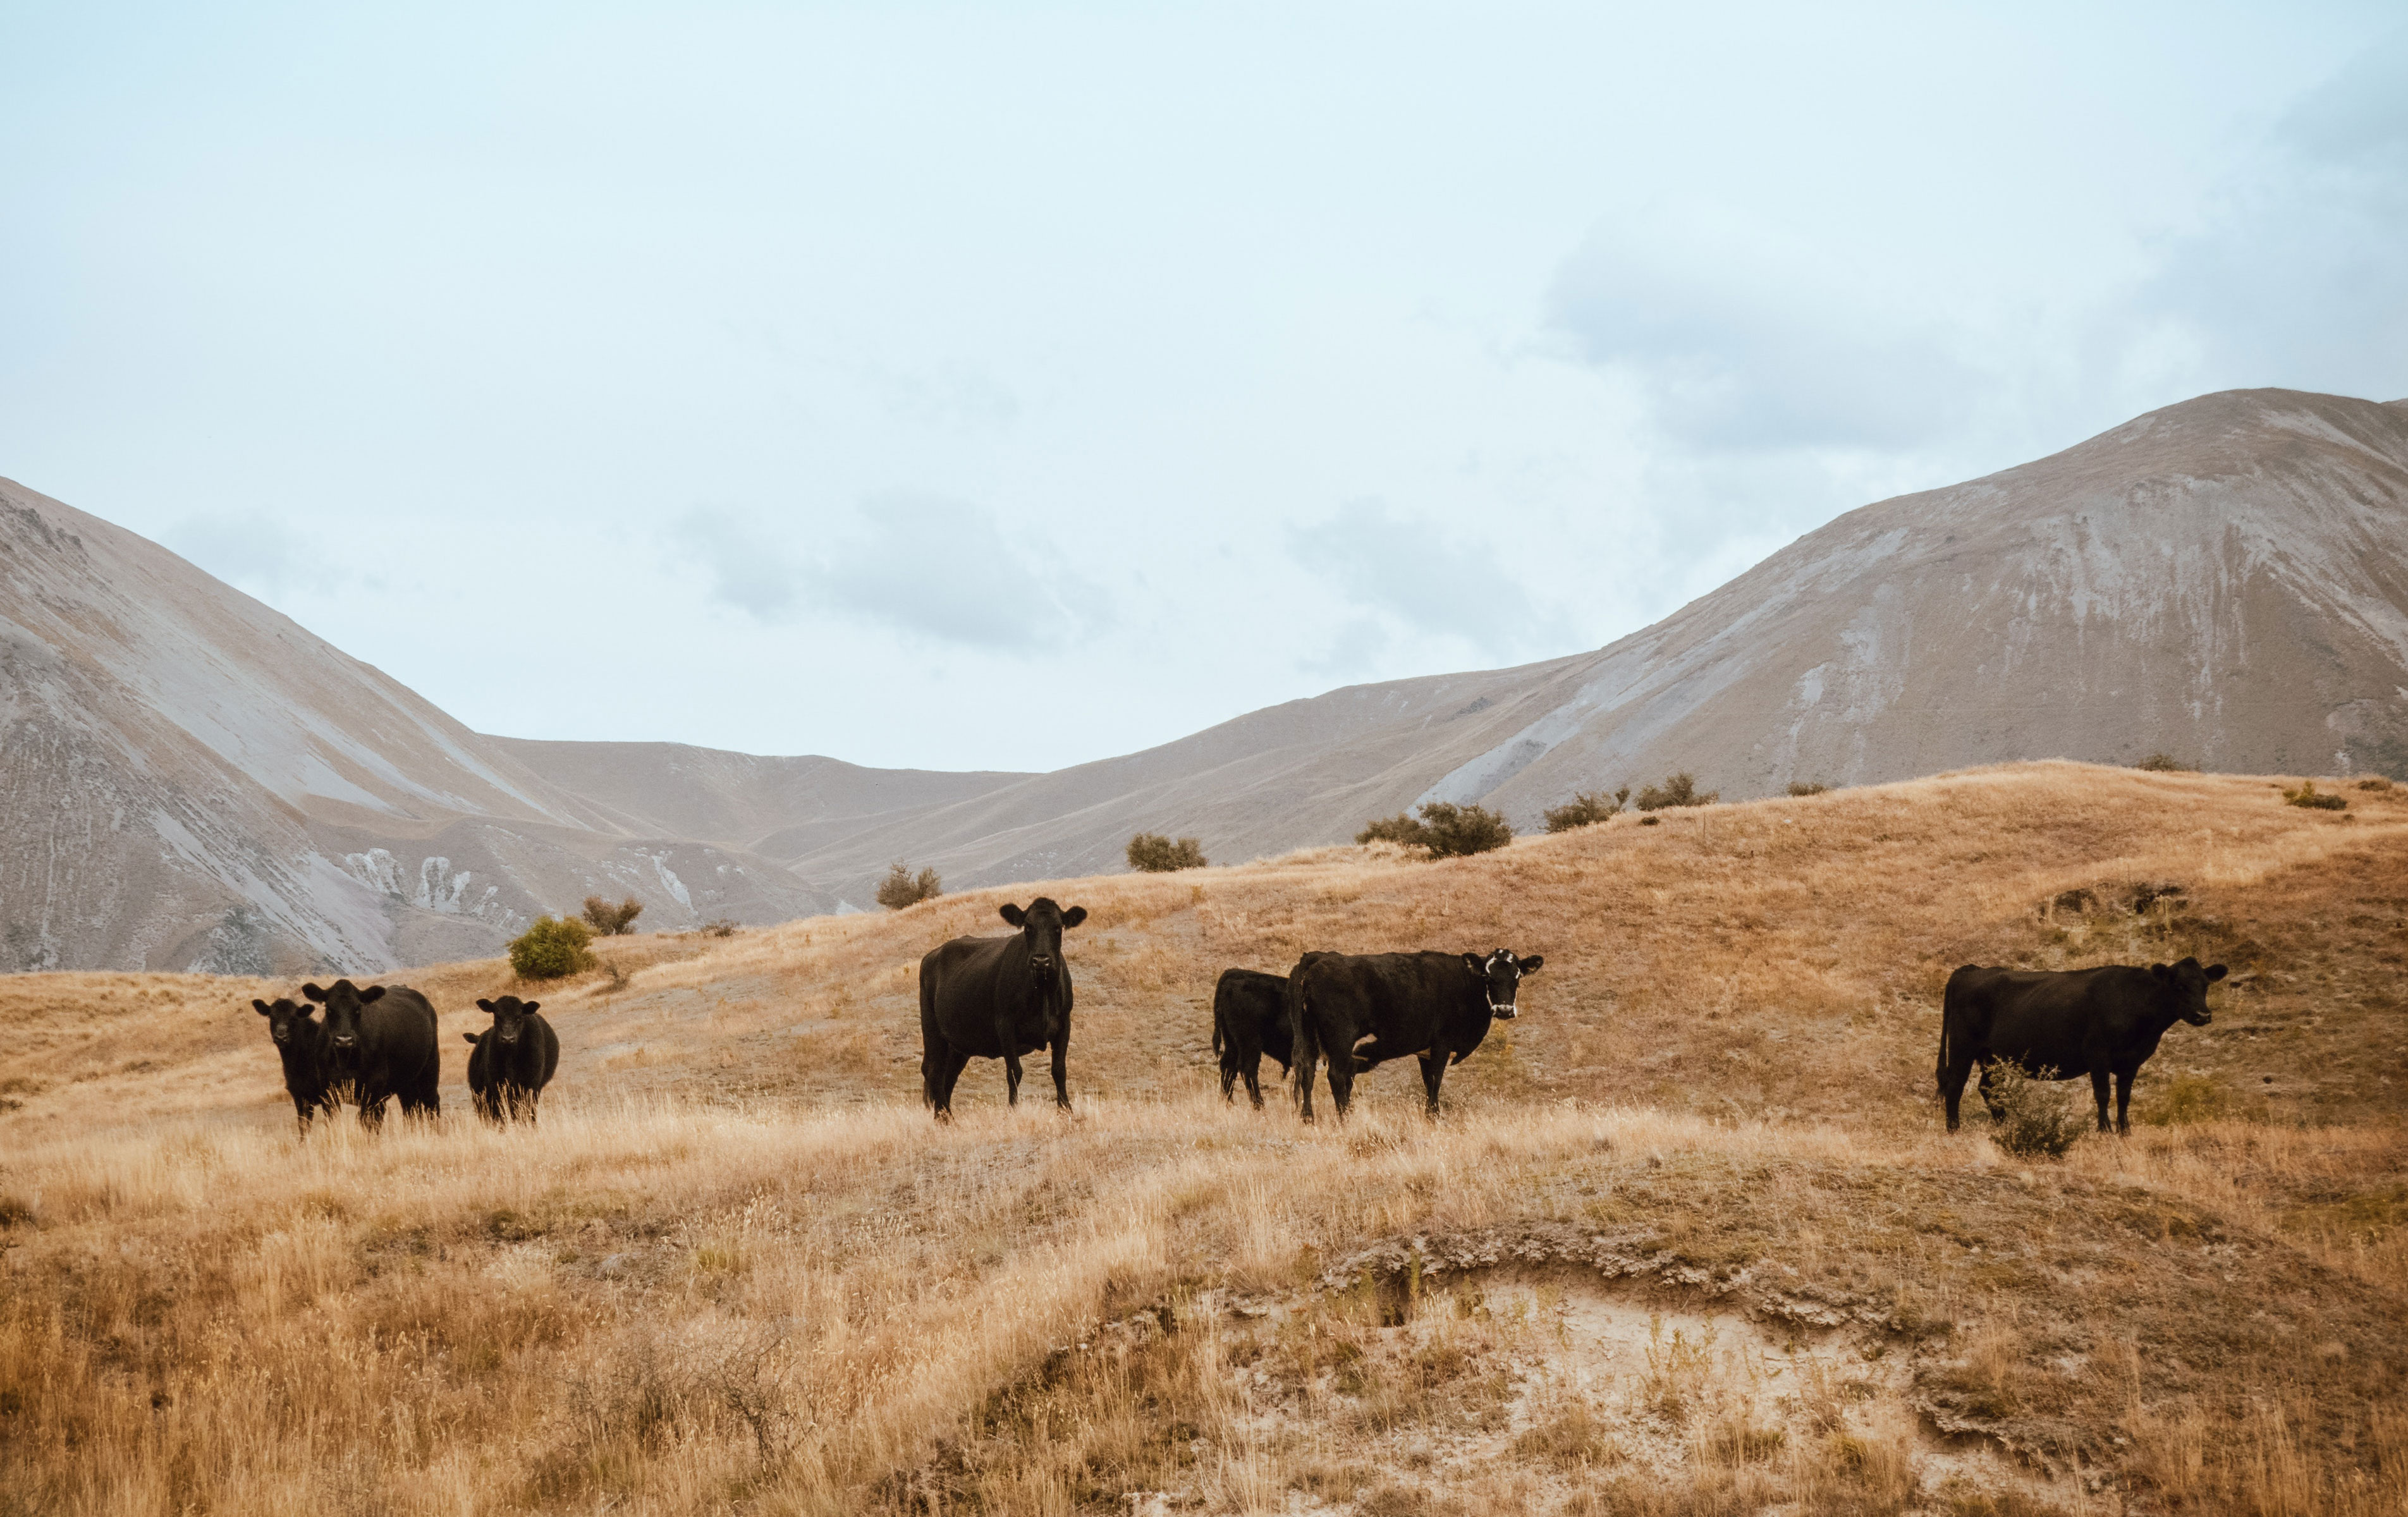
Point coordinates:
[(1471, 962), (1074, 916), (1533, 964), (2161, 971), (371, 994), (315, 992), (528, 1008), (1013, 914), (486, 1007), (264, 1009), (2216, 971), (467, 1037)]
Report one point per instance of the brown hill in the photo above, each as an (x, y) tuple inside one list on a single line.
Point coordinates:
[(1688, 1240)]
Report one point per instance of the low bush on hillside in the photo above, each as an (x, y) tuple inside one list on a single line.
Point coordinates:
[(1677, 790), (552, 948), (2306, 796), (612, 921), (1153, 854), (719, 927), (1802, 788), (1586, 808), (2166, 763), (902, 888), (2374, 782), (2037, 1120), (1444, 828)]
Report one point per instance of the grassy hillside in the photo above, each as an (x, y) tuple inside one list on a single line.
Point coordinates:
[(1688, 1240)]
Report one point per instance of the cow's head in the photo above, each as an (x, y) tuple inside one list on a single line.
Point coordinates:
[(2186, 984), (342, 1000), (1042, 926), (510, 1016), (287, 1023), (1500, 976)]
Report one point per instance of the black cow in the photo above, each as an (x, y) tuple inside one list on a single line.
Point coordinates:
[(998, 998), (381, 1044), (1250, 1020), (513, 1061), (301, 1043), (2066, 1024), (1362, 1009)]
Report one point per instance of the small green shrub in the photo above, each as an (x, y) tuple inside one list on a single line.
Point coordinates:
[(1151, 853), (1399, 828), (1446, 829), (552, 949), (902, 888), (2306, 796), (612, 921), (2036, 1120), (1586, 808), (1802, 788), (2166, 763), (1452, 831), (1677, 790)]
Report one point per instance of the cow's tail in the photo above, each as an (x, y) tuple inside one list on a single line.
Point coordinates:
[(1304, 1050), (1950, 1005), (1216, 1021)]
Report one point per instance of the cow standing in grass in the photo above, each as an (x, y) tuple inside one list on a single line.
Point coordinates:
[(302, 1046), (513, 1060), (2062, 1024), (1250, 1020), (1362, 1009), (382, 1045), (998, 998)]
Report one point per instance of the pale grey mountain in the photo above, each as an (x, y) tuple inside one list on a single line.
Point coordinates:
[(188, 778), (2225, 580), (191, 778)]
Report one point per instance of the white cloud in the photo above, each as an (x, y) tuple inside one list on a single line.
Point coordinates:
[(1425, 580), (938, 570)]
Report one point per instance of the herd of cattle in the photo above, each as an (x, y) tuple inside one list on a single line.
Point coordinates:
[(1007, 997)]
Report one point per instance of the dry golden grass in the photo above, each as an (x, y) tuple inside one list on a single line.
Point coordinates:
[(1688, 1240)]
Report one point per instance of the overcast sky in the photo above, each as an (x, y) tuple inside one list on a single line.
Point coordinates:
[(1007, 386)]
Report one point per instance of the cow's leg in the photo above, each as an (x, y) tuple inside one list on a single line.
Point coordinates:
[(1341, 1082), (1062, 1073), (1252, 1070), (2098, 1079), (1011, 1077), (1989, 1096), (301, 1112), (948, 1073), (2123, 1101), (1952, 1087), (371, 1112), (1229, 1074), (933, 1054), (1433, 1072)]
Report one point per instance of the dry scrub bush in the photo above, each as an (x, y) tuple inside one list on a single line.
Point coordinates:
[(552, 949), (1800, 789), (902, 888), (1586, 808), (1445, 829), (2166, 763), (1151, 853), (1677, 790), (2308, 798), (612, 921), (2037, 1118)]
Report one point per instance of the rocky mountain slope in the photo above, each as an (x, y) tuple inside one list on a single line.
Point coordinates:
[(192, 779), (2224, 580)]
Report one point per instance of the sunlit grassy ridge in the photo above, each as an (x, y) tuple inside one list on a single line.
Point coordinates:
[(1687, 1242)]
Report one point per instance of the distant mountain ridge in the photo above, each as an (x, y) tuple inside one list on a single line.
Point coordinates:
[(192, 779)]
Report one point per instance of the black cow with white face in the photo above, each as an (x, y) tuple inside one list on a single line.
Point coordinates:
[(380, 1044), (303, 1048), (1362, 1009), (998, 998), (2063, 1024), (514, 1059)]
